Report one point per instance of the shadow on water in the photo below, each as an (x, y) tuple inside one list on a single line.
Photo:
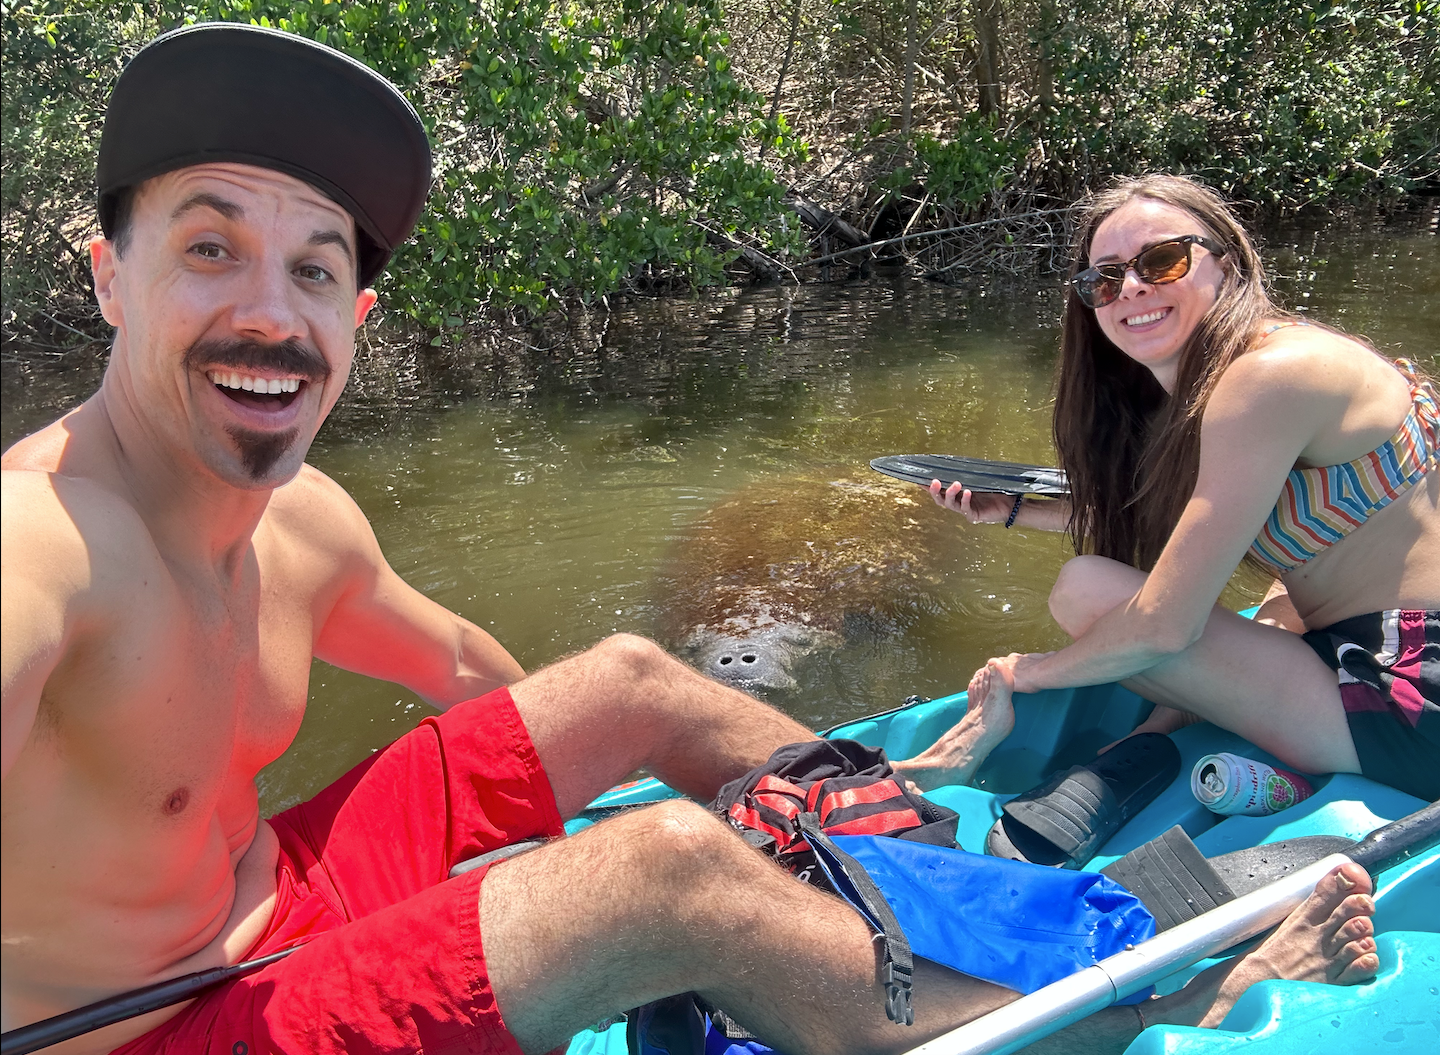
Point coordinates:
[(556, 495)]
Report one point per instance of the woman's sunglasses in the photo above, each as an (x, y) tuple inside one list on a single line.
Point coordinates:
[(1163, 262)]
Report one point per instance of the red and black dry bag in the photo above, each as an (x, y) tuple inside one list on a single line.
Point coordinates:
[(848, 786), (807, 792)]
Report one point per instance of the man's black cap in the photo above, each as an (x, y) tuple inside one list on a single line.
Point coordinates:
[(228, 92)]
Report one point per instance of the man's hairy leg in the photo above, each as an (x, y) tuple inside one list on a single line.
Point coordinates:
[(625, 705), (668, 899)]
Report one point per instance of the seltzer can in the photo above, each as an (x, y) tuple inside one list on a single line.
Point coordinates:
[(1234, 786)]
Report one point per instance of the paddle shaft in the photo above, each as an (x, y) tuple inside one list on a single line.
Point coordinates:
[(1053, 1007), (1408, 837), (107, 1012)]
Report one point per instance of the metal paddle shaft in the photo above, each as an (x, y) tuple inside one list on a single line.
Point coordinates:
[(1050, 1009), (104, 1013)]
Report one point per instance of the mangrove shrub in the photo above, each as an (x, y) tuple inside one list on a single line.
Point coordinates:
[(581, 148)]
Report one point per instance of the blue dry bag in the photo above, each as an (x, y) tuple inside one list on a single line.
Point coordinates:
[(1016, 924), (1019, 925)]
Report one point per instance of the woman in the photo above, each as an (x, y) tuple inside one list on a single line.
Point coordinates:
[(1200, 425)]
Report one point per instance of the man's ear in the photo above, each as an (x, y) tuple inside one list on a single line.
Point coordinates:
[(102, 270), (363, 303)]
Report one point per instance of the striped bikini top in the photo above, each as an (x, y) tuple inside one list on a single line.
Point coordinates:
[(1320, 506)]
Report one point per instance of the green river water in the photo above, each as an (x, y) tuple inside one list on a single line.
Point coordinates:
[(552, 496)]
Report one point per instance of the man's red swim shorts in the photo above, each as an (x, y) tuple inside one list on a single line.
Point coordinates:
[(392, 960)]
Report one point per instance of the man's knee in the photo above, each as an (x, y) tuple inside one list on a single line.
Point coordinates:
[(632, 657), (678, 853), (1086, 588), (692, 839)]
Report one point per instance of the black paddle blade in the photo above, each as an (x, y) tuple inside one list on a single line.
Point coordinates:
[(1177, 883), (977, 474)]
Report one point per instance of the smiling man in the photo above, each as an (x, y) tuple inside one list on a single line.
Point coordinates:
[(171, 566)]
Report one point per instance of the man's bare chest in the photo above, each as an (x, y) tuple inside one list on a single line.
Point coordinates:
[(189, 693)]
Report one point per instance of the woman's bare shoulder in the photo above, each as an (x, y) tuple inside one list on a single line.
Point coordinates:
[(1337, 393), (1304, 362)]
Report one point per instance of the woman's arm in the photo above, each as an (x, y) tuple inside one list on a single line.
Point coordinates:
[(988, 507), (1265, 411)]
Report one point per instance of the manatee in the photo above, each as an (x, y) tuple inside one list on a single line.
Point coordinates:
[(790, 566)]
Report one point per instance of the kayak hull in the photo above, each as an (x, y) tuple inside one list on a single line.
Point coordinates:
[(1059, 728)]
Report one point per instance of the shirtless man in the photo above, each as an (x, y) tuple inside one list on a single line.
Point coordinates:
[(170, 568)]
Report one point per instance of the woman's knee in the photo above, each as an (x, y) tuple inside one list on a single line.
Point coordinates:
[(1088, 587)]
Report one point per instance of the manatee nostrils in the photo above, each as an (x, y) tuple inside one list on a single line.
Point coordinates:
[(727, 659), (756, 662)]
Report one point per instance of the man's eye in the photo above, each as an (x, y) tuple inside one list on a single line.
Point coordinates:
[(207, 250), (314, 273)]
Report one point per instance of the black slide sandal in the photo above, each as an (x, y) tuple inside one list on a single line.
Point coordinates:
[(1066, 819)]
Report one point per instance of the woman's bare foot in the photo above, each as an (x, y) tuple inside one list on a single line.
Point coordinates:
[(1329, 938), (1162, 720), (954, 757)]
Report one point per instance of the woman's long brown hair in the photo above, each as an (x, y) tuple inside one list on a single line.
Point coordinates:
[(1131, 451)]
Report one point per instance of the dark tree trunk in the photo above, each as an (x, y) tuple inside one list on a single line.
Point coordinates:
[(1045, 35), (987, 54), (912, 35)]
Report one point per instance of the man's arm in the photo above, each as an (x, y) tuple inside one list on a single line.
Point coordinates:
[(38, 583), (380, 626)]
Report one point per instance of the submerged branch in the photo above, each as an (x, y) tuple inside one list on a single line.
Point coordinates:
[(911, 236)]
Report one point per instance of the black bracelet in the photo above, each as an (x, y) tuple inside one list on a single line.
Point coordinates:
[(1014, 511)]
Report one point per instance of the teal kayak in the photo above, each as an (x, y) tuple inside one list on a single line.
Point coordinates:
[(1399, 1012)]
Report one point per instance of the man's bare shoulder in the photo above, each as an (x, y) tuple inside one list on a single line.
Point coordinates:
[(73, 559), (70, 530), (65, 445), (314, 512), (38, 452)]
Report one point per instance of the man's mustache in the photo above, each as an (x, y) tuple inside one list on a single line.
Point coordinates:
[(288, 357)]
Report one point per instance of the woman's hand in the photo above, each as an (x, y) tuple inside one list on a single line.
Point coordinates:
[(991, 507), (978, 507), (1023, 666)]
